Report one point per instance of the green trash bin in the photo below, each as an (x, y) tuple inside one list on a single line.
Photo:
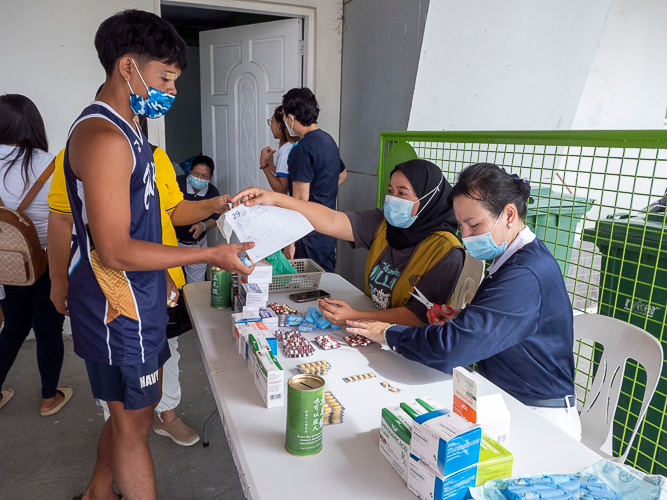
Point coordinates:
[(633, 288), (553, 217)]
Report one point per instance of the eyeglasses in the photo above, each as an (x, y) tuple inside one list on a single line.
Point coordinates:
[(203, 177), (268, 121)]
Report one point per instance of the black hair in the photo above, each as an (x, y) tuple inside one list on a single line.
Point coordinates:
[(140, 33), (493, 188), (201, 159), (278, 117), (302, 104), (21, 124)]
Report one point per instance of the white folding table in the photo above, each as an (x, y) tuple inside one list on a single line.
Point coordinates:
[(350, 464)]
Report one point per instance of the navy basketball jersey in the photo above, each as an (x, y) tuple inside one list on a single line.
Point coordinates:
[(117, 317)]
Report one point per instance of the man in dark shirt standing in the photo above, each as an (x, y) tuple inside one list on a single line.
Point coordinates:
[(195, 187), (315, 170)]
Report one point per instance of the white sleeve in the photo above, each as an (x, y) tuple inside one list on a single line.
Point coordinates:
[(281, 160)]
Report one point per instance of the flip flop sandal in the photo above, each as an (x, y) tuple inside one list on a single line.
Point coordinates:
[(7, 394), (66, 391)]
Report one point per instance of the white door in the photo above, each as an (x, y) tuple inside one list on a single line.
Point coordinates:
[(244, 73)]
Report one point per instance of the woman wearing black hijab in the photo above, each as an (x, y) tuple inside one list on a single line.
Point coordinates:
[(411, 243)]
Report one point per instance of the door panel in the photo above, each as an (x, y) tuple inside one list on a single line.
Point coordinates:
[(244, 73)]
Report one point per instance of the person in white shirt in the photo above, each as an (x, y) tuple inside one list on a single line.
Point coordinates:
[(276, 173), (23, 158)]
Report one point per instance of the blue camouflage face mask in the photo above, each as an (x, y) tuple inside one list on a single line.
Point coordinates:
[(157, 104), (197, 183), (482, 246), (398, 211)]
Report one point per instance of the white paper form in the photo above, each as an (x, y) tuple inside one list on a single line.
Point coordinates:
[(271, 228)]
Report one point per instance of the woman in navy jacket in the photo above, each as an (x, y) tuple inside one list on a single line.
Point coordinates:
[(518, 328)]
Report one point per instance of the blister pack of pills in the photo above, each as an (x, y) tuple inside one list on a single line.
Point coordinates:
[(361, 376), (294, 345), (333, 410), (320, 367), (388, 386), (327, 342), (357, 341), (284, 309)]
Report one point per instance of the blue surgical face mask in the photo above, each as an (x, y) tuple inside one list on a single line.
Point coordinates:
[(482, 246), (398, 211), (197, 183), (157, 104)]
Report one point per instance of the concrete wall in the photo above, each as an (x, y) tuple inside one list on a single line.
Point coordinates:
[(381, 44), (627, 83), (48, 55), (183, 122), (512, 65)]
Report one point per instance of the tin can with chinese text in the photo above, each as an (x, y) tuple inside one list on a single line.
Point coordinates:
[(305, 415), (220, 287)]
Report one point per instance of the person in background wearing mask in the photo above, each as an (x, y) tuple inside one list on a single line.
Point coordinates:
[(519, 326), (315, 170), (276, 173), (117, 279), (411, 243), (197, 186)]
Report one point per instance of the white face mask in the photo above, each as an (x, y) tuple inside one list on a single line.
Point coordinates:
[(289, 129)]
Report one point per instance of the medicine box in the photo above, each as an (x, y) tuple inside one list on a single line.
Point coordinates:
[(267, 373), (269, 318), (446, 442), (244, 331), (395, 432), (495, 462), (254, 295), (428, 484), (262, 274), (489, 411)]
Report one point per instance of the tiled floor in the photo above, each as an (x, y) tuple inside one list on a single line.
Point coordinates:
[(53, 457)]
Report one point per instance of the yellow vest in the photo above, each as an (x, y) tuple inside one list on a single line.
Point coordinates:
[(425, 256)]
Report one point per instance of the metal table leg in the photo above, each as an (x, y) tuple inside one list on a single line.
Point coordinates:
[(206, 424)]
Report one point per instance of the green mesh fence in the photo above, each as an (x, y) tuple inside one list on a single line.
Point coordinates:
[(590, 196)]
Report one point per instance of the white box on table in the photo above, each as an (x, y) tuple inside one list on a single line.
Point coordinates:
[(429, 485), (445, 441), (395, 432), (244, 331), (489, 411), (254, 295), (269, 318), (262, 274), (266, 372)]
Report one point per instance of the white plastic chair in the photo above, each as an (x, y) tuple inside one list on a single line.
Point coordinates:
[(466, 287), (621, 341)]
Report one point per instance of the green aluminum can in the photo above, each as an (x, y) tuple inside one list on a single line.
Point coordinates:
[(221, 282), (305, 415)]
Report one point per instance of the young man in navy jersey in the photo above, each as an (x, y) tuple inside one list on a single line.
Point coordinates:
[(315, 171), (117, 287)]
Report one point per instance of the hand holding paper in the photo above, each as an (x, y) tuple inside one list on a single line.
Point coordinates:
[(271, 228)]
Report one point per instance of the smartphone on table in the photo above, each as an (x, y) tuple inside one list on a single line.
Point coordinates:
[(308, 296)]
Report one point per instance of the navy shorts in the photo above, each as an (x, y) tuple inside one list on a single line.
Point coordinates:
[(136, 386)]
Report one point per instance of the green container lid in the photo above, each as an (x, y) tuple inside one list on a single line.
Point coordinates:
[(639, 230), (546, 200)]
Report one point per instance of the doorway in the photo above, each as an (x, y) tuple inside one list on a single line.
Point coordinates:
[(226, 95)]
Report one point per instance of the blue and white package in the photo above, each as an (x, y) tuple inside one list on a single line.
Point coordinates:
[(427, 483), (306, 327), (446, 442)]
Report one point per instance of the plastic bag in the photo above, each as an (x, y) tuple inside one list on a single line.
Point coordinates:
[(280, 263)]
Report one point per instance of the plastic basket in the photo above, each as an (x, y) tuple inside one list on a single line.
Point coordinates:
[(307, 277)]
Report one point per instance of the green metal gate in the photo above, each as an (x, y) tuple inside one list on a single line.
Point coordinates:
[(589, 182)]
